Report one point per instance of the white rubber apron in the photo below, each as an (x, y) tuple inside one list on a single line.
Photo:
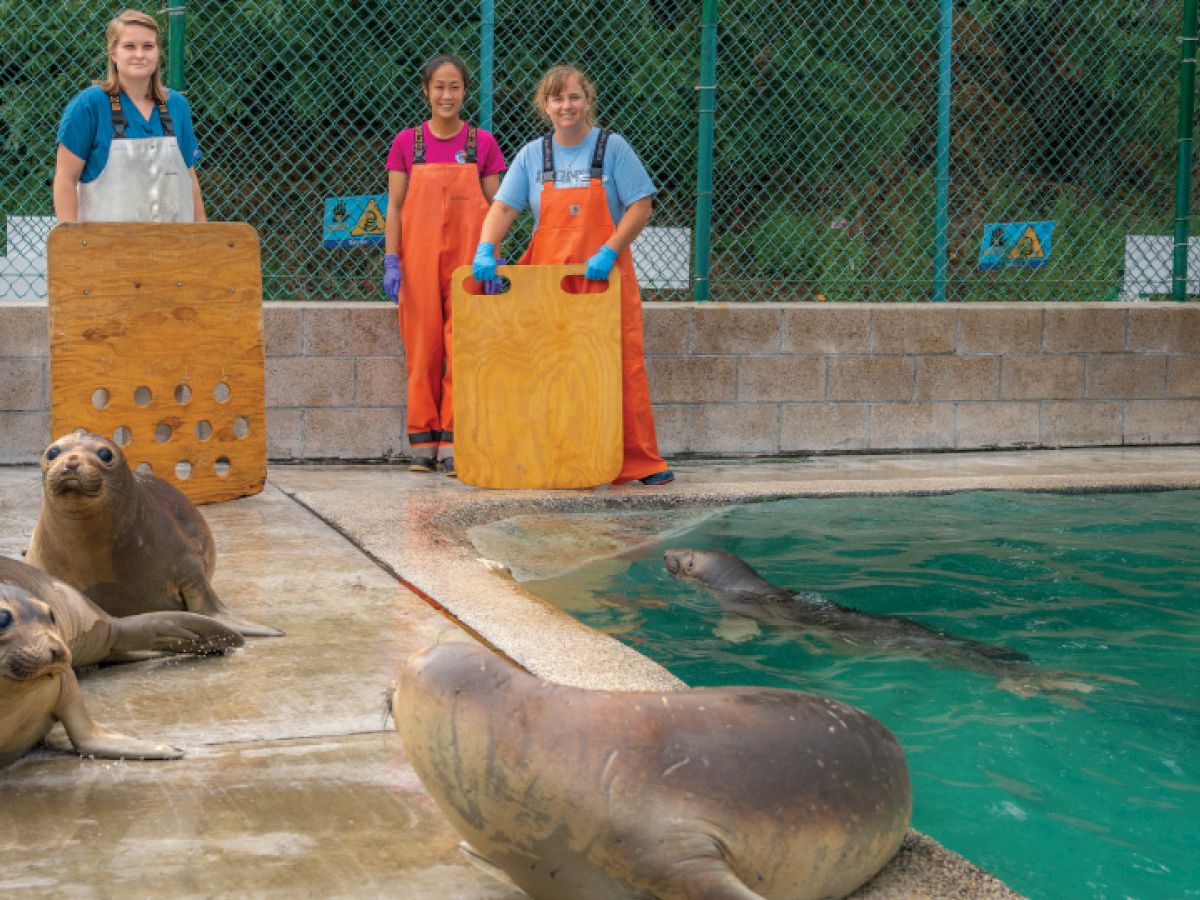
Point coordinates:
[(144, 180)]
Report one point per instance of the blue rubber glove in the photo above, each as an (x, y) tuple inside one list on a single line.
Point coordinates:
[(601, 264), (494, 285), (483, 267), (392, 276)]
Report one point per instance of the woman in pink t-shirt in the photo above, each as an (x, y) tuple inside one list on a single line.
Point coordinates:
[(441, 177)]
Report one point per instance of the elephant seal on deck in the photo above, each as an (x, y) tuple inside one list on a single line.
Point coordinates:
[(93, 636), (131, 543), (743, 591), (706, 793), (38, 688)]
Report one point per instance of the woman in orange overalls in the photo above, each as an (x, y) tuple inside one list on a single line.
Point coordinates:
[(590, 196), (441, 177)]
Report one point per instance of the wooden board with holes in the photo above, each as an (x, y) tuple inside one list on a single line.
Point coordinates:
[(156, 342), (537, 381)]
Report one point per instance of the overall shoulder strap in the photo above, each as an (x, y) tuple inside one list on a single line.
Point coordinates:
[(165, 118), (548, 158), (419, 144), (471, 154), (118, 116), (598, 156)]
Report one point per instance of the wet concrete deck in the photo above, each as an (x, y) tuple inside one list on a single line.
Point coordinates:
[(294, 780)]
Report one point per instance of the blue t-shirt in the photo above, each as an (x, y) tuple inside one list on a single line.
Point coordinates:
[(625, 178), (86, 128)]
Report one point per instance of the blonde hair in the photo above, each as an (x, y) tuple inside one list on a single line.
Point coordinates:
[(112, 81), (554, 82)]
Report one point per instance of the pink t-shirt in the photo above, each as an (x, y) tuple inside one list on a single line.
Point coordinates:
[(487, 151)]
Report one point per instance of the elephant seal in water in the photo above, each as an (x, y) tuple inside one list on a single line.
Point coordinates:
[(131, 543), (93, 636), (707, 792), (743, 591), (38, 688)]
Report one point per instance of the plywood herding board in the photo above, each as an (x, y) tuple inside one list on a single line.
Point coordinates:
[(156, 342), (537, 381)]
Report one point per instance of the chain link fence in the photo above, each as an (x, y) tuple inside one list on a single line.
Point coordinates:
[(1058, 180)]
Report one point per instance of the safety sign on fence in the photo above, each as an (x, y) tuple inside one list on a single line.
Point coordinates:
[(1008, 245), (354, 221)]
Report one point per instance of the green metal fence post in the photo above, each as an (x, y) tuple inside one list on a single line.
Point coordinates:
[(487, 56), (1183, 175), (175, 77), (942, 164), (704, 148)]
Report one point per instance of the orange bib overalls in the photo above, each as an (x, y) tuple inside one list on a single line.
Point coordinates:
[(440, 221), (573, 223)]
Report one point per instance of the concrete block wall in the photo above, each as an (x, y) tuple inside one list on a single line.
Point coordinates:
[(745, 379)]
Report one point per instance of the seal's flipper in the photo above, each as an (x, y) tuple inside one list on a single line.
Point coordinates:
[(737, 629), (174, 632), (245, 626), (486, 865), (92, 739), (199, 597)]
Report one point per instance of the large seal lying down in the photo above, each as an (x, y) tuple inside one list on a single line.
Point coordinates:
[(38, 688), (743, 591), (131, 543), (93, 636), (705, 793)]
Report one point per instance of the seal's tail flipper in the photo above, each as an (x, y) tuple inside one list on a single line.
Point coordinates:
[(199, 597), (245, 627), (174, 632)]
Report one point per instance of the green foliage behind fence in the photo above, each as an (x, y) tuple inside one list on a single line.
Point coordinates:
[(826, 127)]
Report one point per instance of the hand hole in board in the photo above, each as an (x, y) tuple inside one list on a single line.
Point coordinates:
[(491, 288), (577, 284)]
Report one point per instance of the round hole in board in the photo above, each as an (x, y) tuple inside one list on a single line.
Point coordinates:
[(100, 398), (203, 430), (162, 432), (222, 466), (183, 470), (144, 468), (221, 392), (183, 393), (142, 396), (122, 436), (241, 427)]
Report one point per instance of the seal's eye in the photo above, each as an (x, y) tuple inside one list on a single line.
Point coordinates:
[(52, 453), (5, 619), (105, 454)]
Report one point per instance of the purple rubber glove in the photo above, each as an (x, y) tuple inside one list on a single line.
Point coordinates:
[(601, 264), (392, 276), (494, 285)]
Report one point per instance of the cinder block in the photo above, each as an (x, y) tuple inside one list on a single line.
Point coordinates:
[(1041, 377), (298, 381), (958, 378), (865, 379), (1127, 375), (735, 429), (1167, 328), (380, 381), (737, 328), (823, 427), (822, 328), (354, 434), (23, 386), (913, 328), (780, 378), (911, 426), (283, 325), (24, 330), (1085, 328), (666, 328), (671, 429), (692, 379), (1081, 424), (23, 436), (1162, 422), (1002, 328), (1183, 376), (285, 434), (987, 425), (352, 329)]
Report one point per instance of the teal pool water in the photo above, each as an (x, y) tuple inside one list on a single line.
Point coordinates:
[(1062, 793)]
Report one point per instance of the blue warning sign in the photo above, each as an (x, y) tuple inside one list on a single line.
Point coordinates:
[(1015, 245), (354, 221)]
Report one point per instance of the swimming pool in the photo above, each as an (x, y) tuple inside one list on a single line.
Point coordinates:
[(1063, 793)]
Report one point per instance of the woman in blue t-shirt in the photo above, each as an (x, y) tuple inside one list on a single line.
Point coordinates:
[(126, 148)]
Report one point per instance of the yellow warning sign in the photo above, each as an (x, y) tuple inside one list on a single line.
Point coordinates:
[(1028, 246), (370, 222)]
